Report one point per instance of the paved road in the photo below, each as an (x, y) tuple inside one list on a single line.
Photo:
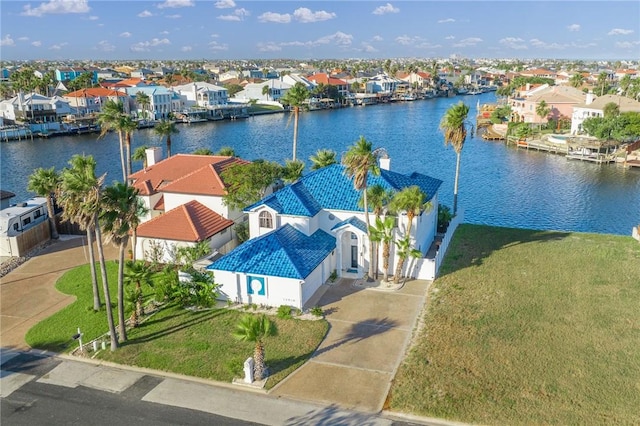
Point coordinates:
[(37, 388)]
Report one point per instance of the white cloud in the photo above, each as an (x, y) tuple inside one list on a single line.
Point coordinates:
[(377, 38), (269, 47), (573, 27), (450, 37), (172, 4), (174, 16), (627, 44), (305, 15), (93, 18), (513, 43), (225, 4), (214, 45), (186, 48), (215, 35), (58, 46), (36, 43), (105, 46), (145, 46), (278, 18), (57, 7), (165, 32), (238, 15), (125, 34), (619, 31), (446, 21), (470, 41), (404, 40), (366, 47), (387, 8), (535, 42), (144, 14), (338, 38), (23, 38), (7, 41)]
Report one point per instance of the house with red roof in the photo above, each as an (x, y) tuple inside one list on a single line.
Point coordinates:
[(183, 196), (322, 78), (90, 100)]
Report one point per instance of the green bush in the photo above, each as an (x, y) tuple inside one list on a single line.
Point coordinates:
[(317, 311), (284, 312)]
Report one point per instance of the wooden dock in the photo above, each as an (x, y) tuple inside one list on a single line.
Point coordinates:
[(594, 158), (539, 145), (633, 163)]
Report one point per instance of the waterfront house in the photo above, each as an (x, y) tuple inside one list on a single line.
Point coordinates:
[(292, 79), (162, 101), (90, 101), (34, 108), (560, 100), (276, 90), (594, 107), (382, 84), (142, 73), (322, 78), (303, 233), (183, 192), (71, 73), (205, 95)]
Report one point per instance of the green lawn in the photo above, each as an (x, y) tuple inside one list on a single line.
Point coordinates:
[(175, 339), (529, 327)]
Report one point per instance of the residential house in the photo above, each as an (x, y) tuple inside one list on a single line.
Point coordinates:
[(228, 75), (560, 100), (382, 83), (89, 101), (142, 73), (162, 101), (70, 74), (292, 79), (322, 78), (276, 90), (418, 79), (34, 108), (205, 95), (5, 198), (594, 107), (304, 232), (183, 196)]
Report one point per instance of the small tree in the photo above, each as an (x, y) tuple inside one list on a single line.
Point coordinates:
[(255, 329), (323, 158), (249, 182), (292, 171), (44, 182), (139, 274), (404, 250)]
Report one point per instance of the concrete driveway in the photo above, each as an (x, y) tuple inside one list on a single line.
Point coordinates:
[(368, 335)]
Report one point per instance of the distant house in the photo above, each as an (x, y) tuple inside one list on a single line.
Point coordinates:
[(559, 99), (88, 101), (594, 107), (382, 83), (276, 90), (322, 78), (70, 74), (304, 232), (34, 108), (202, 94), (143, 73), (162, 101), (183, 196), (292, 79)]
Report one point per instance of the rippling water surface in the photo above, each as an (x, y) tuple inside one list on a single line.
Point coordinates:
[(499, 185)]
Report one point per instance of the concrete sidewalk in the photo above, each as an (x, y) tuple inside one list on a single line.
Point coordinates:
[(28, 294)]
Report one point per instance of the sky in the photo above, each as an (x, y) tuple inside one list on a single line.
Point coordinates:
[(339, 29)]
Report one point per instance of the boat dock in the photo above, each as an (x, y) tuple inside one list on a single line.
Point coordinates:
[(540, 145)]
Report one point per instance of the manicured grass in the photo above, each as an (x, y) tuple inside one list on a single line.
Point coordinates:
[(175, 339), (529, 327), (200, 344), (54, 333), (258, 108)]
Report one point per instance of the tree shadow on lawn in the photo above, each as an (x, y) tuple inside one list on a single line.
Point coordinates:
[(202, 317), (471, 244)]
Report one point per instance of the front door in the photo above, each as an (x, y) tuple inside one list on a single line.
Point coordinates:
[(354, 256)]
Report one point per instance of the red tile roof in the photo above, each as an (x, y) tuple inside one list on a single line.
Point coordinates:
[(185, 173), (191, 222), (95, 92), (325, 79)]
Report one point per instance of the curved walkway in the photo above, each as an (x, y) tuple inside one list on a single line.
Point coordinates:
[(369, 331), (28, 294)]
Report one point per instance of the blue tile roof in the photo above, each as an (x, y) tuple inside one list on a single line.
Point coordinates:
[(285, 252), (352, 221), (329, 188)]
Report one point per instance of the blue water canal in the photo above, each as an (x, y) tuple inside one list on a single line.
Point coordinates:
[(499, 185)]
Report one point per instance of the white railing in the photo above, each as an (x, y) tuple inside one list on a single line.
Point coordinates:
[(426, 268)]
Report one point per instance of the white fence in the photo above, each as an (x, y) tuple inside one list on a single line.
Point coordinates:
[(427, 268)]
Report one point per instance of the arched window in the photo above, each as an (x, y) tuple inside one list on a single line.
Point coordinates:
[(266, 220)]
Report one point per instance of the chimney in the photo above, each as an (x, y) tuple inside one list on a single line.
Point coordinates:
[(385, 163), (528, 86), (154, 155), (590, 98)]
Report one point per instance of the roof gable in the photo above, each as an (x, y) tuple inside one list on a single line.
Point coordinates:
[(285, 252), (192, 222)]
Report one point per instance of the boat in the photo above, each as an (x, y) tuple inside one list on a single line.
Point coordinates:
[(145, 124)]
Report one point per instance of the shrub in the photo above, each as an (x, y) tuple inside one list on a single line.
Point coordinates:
[(317, 311), (444, 217), (284, 312), (334, 276)]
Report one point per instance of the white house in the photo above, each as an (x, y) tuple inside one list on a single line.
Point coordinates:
[(162, 101), (594, 107), (304, 232), (276, 90), (202, 94), (183, 197), (382, 83), (34, 108)]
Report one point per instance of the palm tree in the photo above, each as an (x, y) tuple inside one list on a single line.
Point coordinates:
[(454, 127), (292, 170), (266, 90), (70, 194), (226, 151), (252, 328), (611, 110), (140, 154), (203, 151), (295, 97), (166, 128), (112, 118), (323, 158), (119, 217), (378, 197), (576, 80), (44, 182), (128, 126), (602, 81), (80, 184), (404, 251), (143, 100), (137, 273), (359, 161), (411, 201), (543, 110), (383, 233)]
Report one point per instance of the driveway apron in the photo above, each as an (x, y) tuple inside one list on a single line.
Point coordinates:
[(369, 332)]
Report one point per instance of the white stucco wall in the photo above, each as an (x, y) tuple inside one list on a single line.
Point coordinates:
[(173, 200), (144, 245)]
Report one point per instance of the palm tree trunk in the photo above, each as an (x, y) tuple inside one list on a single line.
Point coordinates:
[(122, 325), (139, 306), (385, 260), (455, 185), (122, 163), (134, 242), (52, 219), (398, 274), (366, 218), (94, 274), (105, 287), (296, 112), (168, 146), (258, 359), (129, 164)]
